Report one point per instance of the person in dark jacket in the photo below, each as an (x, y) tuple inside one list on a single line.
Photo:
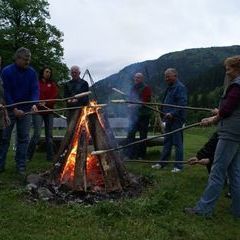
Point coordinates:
[(227, 154), (20, 84), (73, 87), (176, 94), (138, 117), (48, 90)]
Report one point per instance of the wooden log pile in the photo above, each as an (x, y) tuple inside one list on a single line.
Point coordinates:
[(76, 168)]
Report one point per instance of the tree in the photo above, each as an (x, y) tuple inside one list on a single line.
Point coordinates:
[(23, 24)]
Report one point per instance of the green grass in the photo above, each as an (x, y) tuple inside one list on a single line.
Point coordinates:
[(156, 214)]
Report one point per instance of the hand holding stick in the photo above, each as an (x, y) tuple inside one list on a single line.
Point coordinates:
[(209, 121), (195, 160)]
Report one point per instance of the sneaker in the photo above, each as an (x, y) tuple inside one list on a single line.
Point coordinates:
[(176, 170), (21, 172), (157, 166), (190, 211), (228, 195)]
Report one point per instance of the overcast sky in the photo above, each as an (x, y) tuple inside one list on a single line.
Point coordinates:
[(107, 35)]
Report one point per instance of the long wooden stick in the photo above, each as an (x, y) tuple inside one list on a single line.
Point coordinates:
[(146, 161), (119, 91), (67, 108), (80, 95), (162, 104), (123, 93), (145, 140), (53, 110)]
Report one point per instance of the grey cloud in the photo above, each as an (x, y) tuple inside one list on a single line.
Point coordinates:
[(108, 35)]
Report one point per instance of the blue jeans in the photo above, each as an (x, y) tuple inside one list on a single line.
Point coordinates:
[(23, 127), (171, 140), (226, 162), (38, 120)]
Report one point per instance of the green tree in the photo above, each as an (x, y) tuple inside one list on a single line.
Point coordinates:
[(23, 23)]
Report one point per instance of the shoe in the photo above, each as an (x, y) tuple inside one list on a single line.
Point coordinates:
[(228, 195), (194, 211), (157, 166), (176, 170), (190, 211), (21, 172)]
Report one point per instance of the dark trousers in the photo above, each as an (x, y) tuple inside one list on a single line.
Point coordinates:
[(140, 124), (69, 115), (38, 120)]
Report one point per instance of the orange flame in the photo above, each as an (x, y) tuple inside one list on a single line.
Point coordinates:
[(93, 170)]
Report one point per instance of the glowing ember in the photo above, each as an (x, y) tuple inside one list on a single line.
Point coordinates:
[(94, 173)]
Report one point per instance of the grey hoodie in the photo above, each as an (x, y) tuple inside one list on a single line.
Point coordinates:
[(229, 127)]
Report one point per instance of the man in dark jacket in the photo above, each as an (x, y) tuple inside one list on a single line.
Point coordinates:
[(138, 117), (73, 87), (174, 118)]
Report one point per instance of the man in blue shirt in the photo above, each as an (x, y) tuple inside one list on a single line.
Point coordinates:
[(174, 118), (20, 84)]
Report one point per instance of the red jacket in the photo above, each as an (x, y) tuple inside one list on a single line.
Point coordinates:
[(48, 90), (140, 92)]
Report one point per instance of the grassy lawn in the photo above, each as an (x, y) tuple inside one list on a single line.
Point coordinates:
[(156, 214)]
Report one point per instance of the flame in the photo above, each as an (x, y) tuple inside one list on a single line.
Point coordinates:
[(68, 171), (93, 170)]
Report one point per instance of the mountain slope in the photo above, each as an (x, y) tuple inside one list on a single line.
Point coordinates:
[(193, 65)]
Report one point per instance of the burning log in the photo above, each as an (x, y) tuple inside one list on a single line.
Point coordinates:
[(109, 169), (65, 147), (112, 143), (80, 175)]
